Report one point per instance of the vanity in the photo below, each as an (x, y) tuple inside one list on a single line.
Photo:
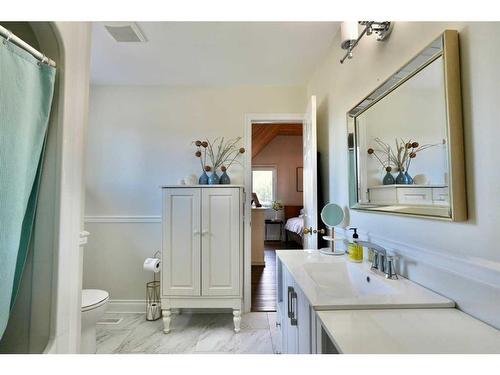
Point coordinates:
[(326, 304)]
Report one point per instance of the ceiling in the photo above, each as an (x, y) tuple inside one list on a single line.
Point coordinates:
[(263, 134), (212, 53)]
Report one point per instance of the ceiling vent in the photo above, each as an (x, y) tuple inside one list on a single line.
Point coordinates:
[(125, 32)]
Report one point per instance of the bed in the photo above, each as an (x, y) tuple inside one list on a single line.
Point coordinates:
[(294, 224)]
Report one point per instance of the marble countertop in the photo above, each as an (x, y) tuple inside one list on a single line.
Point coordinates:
[(348, 285), (409, 331)]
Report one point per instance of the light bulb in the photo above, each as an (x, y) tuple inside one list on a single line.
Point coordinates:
[(349, 33)]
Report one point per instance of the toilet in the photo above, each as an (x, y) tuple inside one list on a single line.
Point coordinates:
[(94, 303)]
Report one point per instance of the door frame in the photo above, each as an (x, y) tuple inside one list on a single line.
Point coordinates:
[(252, 118)]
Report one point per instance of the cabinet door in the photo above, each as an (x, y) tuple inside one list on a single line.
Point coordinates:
[(181, 242), (303, 316), (290, 325), (221, 242)]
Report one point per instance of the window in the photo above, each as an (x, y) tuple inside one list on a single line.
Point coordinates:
[(264, 184)]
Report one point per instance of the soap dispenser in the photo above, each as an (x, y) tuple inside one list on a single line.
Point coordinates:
[(355, 249)]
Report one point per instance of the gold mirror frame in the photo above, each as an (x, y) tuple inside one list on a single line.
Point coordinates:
[(447, 46)]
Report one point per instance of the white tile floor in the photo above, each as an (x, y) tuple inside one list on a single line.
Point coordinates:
[(191, 333)]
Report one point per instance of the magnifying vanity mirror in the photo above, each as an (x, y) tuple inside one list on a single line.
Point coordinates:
[(405, 139), (331, 215)]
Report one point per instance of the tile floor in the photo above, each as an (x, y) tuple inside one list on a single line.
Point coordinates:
[(191, 333)]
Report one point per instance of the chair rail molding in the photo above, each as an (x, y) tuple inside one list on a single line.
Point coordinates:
[(122, 219)]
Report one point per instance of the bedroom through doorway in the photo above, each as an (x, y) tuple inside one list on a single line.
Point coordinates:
[(277, 203)]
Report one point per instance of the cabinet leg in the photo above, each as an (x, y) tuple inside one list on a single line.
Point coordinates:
[(166, 320), (237, 320)]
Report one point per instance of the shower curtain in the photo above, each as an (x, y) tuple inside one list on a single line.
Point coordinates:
[(26, 90)]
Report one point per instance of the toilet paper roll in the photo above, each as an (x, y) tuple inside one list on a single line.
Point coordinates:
[(152, 264)]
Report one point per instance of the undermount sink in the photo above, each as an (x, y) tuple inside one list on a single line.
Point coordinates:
[(348, 279), (334, 283)]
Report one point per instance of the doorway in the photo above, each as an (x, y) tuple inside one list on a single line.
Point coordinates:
[(277, 203)]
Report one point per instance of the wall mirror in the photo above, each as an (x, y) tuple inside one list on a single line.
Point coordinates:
[(405, 139)]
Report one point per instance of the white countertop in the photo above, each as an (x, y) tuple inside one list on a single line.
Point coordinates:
[(409, 331), (342, 285)]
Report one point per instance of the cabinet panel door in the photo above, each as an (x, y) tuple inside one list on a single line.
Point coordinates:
[(303, 315), (291, 333), (221, 242), (181, 242)]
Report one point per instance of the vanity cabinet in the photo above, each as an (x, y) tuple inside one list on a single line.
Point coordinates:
[(294, 315), (202, 249)]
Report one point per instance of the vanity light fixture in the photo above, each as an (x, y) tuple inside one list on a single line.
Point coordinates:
[(350, 38)]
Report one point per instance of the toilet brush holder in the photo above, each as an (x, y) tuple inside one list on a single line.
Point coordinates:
[(153, 305)]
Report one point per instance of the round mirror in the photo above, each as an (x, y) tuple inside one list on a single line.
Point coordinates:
[(332, 214)]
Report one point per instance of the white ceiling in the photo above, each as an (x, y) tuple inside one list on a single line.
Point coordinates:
[(212, 53)]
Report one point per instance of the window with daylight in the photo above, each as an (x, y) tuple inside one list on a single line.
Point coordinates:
[(264, 184)]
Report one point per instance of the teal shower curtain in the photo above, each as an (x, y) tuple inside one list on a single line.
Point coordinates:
[(26, 90)]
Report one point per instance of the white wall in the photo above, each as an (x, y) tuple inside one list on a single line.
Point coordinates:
[(140, 138), (460, 260)]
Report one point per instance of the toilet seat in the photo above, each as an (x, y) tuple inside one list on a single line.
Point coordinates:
[(93, 298)]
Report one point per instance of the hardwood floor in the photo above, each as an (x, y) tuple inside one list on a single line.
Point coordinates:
[(264, 277)]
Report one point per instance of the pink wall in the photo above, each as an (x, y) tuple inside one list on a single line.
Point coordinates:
[(285, 152)]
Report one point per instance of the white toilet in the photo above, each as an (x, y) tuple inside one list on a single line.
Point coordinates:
[(94, 303)]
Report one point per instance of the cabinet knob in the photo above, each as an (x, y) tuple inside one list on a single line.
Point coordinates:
[(278, 324)]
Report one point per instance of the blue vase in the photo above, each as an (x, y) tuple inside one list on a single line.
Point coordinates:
[(224, 179), (388, 179), (213, 179), (203, 180), (409, 179), (401, 178)]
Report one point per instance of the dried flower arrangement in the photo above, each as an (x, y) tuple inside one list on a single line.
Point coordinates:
[(277, 205), (221, 153), (406, 151)]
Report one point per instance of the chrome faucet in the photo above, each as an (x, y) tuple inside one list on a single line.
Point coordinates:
[(381, 261)]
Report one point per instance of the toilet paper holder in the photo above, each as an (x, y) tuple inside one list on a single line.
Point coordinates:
[(153, 303)]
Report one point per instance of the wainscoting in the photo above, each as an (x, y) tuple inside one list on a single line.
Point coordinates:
[(114, 254), (122, 242)]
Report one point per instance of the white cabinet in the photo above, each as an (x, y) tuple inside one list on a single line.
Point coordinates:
[(294, 314), (202, 249), (409, 194)]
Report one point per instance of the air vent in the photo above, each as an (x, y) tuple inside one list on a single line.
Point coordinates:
[(125, 32)]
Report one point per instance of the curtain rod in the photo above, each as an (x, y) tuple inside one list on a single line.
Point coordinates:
[(21, 43)]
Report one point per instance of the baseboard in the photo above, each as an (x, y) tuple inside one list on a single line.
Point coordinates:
[(126, 306)]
